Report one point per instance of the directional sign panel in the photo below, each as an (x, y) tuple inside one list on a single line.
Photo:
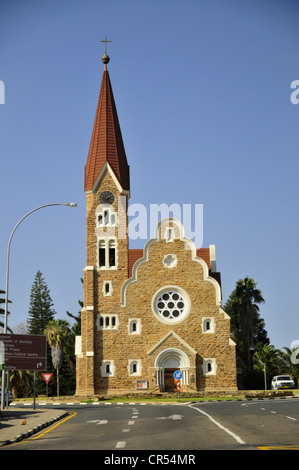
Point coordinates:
[(178, 374), (24, 352)]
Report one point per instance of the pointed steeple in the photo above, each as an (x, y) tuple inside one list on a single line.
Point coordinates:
[(106, 145)]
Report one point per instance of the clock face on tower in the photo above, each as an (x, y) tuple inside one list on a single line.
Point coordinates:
[(106, 197)]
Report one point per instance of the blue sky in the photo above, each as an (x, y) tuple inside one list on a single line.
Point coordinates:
[(202, 90)]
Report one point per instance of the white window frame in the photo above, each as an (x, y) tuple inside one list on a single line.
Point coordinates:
[(186, 300), (107, 321), (211, 320), (108, 217), (106, 241), (111, 367), (131, 363), (170, 261), (209, 362), (169, 234), (105, 293), (138, 326)]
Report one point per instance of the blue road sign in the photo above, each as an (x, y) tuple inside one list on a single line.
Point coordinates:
[(178, 374)]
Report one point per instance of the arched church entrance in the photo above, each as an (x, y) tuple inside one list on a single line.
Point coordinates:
[(167, 362)]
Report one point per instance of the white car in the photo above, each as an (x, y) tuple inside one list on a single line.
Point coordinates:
[(280, 382), (10, 396)]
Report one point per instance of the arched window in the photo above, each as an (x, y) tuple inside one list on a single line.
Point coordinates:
[(134, 326), (208, 325), (107, 253), (107, 322), (102, 254), (134, 367), (111, 253), (209, 367)]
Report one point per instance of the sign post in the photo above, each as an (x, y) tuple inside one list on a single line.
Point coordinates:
[(47, 376), (178, 374), (23, 352)]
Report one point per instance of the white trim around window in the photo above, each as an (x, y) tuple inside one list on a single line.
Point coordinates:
[(107, 368), (134, 326), (209, 367), (107, 321), (134, 367), (208, 325), (107, 253)]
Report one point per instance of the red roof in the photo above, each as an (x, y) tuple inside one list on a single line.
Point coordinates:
[(106, 143)]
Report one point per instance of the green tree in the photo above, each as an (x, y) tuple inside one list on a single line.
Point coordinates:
[(56, 332), (247, 327), (41, 306)]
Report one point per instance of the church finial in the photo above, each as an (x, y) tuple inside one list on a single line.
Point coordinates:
[(105, 58)]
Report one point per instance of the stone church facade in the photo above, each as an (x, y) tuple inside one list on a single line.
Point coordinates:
[(147, 312)]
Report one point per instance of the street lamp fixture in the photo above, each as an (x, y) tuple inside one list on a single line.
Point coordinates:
[(69, 204)]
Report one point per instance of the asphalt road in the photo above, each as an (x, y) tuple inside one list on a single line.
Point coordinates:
[(117, 429)]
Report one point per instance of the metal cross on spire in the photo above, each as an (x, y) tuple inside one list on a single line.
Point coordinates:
[(105, 41)]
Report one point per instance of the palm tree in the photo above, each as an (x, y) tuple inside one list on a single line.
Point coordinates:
[(56, 331), (243, 303), (266, 355)]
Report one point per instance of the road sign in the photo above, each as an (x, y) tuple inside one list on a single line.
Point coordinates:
[(24, 352), (47, 376), (178, 374)]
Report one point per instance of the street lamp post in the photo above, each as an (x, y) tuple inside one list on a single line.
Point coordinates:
[(70, 204)]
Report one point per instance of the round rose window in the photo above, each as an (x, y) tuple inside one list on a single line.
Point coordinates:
[(171, 305)]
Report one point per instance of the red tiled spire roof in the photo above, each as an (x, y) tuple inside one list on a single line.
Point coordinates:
[(106, 143)]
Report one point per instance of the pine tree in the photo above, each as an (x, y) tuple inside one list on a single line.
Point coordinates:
[(41, 306)]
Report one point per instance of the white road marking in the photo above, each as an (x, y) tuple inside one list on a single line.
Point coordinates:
[(120, 444), (235, 436), (289, 417), (174, 417)]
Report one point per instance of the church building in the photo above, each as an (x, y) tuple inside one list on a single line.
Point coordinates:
[(147, 313)]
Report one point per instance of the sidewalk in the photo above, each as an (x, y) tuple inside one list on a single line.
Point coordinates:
[(11, 429)]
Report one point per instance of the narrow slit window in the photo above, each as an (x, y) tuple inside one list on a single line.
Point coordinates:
[(102, 254), (112, 253)]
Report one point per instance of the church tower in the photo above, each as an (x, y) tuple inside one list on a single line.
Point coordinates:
[(147, 313), (107, 189)]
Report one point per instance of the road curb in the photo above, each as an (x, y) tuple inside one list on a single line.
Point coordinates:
[(35, 430)]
